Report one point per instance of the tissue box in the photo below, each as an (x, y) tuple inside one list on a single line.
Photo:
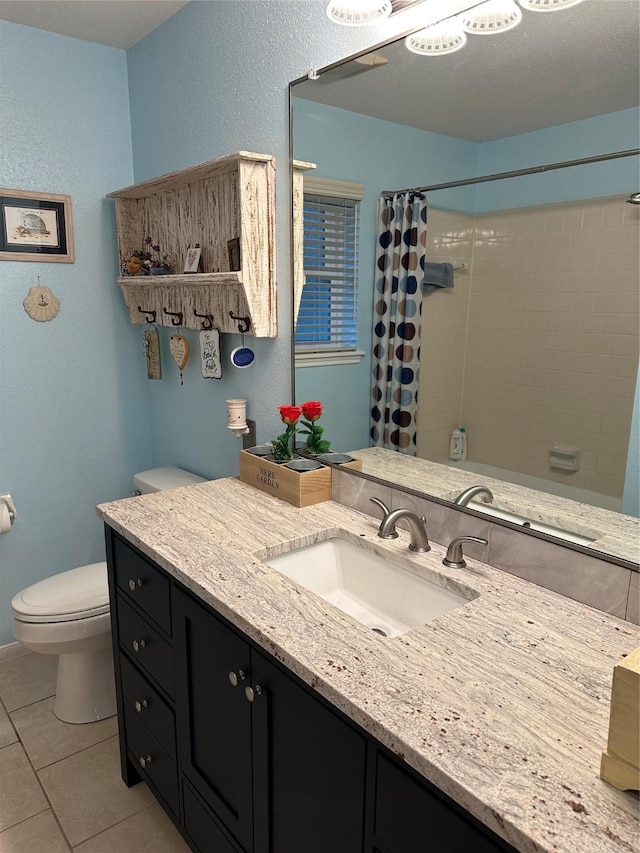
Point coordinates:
[(619, 764), (298, 488)]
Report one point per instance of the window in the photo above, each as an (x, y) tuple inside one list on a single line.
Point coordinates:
[(327, 322)]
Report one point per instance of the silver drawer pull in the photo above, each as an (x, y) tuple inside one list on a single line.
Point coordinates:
[(234, 677), (144, 761), (253, 692), (140, 705), (133, 585), (138, 644)]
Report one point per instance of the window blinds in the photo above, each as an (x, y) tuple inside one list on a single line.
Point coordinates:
[(327, 318)]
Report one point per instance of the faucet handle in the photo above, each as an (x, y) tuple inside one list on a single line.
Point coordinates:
[(387, 512), (455, 558)]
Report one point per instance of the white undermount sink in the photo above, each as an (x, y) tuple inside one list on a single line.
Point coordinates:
[(381, 595)]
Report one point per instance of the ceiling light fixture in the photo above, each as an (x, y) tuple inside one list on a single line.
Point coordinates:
[(358, 13), (444, 37), (493, 16), (547, 5)]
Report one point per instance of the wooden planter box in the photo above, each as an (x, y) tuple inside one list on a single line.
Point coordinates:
[(620, 763), (298, 488)]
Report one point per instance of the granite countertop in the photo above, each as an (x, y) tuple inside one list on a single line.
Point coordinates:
[(613, 532), (503, 703)]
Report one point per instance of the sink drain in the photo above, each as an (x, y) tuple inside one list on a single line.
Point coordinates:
[(379, 631)]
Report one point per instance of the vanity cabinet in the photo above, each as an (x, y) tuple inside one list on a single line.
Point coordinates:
[(246, 758), (211, 204), (280, 769)]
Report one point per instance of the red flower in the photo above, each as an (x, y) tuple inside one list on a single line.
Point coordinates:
[(312, 410), (290, 414)]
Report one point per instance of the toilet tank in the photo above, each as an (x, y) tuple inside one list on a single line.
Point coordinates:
[(159, 479)]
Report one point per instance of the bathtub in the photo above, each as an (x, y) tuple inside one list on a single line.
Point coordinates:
[(562, 490)]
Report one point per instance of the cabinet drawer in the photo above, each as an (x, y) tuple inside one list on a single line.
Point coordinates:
[(143, 583), (153, 762), (410, 817), (202, 828), (145, 645), (143, 700)]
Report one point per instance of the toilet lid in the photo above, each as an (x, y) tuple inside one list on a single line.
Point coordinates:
[(76, 594)]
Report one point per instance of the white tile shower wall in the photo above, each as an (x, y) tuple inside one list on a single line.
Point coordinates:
[(443, 338), (551, 352)]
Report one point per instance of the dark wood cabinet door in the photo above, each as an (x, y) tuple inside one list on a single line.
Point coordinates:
[(414, 816), (309, 765), (215, 716)]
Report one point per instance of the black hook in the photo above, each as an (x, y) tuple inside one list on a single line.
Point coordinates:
[(174, 314), (151, 315), (207, 322), (244, 323)]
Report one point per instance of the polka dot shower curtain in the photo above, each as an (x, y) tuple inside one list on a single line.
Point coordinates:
[(402, 230)]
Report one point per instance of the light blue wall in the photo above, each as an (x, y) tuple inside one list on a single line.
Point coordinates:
[(73, 422), (381, 155), (619, 131), (218, 73)]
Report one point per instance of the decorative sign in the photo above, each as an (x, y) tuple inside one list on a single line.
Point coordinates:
[(152, 353), (210, 354), (179, 349), (40, 303)]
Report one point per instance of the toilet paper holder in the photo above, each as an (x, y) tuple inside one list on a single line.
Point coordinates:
[(8, 501)]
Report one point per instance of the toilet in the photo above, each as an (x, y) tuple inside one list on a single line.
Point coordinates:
[(68, 615)]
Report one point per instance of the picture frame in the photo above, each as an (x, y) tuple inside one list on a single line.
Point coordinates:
[(233, 248), (35, 226), (193, 259)]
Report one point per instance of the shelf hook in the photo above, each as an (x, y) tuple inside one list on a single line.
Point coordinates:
[(173, 315), (207, 320), (244, 323), (151, 315)]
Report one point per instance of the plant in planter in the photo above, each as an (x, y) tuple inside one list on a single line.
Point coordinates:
[(316, 444), (290, 416)]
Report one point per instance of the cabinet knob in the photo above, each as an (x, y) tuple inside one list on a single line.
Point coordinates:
[(144, 761), (140, 705), (235, 677), (133, 585), (138, 644), (252, 692)]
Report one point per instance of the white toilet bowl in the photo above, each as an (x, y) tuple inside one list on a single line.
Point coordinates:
[(68, 615)]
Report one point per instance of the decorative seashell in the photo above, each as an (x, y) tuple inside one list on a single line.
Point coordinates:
[(40, 303)]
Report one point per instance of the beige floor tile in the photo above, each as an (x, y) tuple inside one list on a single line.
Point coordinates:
[(87, 793), (7, 732), (27, 679), (149, 831), (20, 794), (35, 835), (47, 739)]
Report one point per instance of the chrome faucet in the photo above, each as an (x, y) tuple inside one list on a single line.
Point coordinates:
[(417, 530), (485, 494)]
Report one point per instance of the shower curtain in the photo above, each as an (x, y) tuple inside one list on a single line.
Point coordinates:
[(402, 233)]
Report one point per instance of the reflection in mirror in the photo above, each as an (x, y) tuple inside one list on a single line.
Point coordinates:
[(534, 349)]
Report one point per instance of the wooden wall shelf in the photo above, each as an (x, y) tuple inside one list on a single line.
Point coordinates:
[(209, 204)]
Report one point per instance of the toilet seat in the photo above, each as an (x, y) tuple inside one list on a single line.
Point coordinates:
[(66, 597)]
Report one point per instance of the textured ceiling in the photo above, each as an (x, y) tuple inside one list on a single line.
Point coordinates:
[(553, 68), (119, 23)]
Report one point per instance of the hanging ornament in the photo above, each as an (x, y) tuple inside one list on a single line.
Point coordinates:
[(151, 339), (179, 348), (40, 303), (210, 354)]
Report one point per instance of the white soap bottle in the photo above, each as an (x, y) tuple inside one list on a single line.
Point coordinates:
[(458, 446)]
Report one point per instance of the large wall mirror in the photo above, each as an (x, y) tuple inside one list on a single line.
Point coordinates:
[(534, 349)]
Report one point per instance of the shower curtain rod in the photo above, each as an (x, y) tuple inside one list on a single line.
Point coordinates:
[(532, 170)]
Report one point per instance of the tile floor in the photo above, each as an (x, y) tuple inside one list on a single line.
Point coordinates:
[(60, 785)]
